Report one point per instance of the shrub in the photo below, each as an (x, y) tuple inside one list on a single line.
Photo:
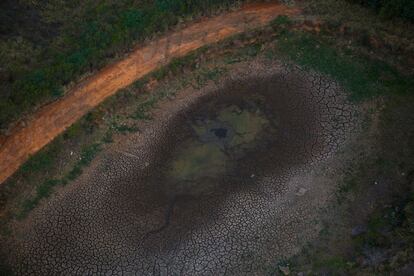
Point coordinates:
[(390, 8)]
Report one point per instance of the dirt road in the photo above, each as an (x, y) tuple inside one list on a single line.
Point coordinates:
[(54, 118)]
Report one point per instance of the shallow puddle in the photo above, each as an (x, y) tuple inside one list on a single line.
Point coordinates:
[(226, 133)]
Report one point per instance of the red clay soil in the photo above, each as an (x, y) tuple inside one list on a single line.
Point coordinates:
[(54, 118)]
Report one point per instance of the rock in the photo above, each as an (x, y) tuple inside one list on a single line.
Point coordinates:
[(358, 230), (2, 139), (374, 42), (374, 257), (151, 84), (344, 30), (238, 43), (394, 260), (301, 191), (407, 270)]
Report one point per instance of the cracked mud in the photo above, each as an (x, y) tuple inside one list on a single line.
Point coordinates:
[(208, 187)]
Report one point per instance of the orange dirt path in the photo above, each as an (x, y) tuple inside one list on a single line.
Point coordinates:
[(54, 118)]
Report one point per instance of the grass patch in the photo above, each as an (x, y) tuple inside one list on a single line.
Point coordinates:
[(353, 178), (142, 110), (380, 241), (45, 189), (87, 155), (244, 52), (73, 131), (336, 264), (42, 191), (108, 137), (42, 160), (125, 128), (363, 77), (207, 74), (281, 20), (176, 65)]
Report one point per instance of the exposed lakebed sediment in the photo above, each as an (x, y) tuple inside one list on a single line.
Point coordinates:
[(221, 180)]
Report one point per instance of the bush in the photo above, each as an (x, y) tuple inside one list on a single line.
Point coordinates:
[(391, 8)]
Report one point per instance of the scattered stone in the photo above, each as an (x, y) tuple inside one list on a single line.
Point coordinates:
[(252, 176), (301, 191)]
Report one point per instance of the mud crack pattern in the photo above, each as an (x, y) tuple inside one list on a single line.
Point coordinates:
[(127, 215)]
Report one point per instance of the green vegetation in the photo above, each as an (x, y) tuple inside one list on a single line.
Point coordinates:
[(41, 160), (373, 229), (336, 264), (361, 29), (143, 108), (206, 74), (362, 76), (61, 40), (390, 8), (87, 155), (281, 20), (352, 63), (385, 246), (45, 189), (42, 191)]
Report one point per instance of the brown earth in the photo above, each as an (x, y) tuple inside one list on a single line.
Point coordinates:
[(131, 212), (54, 118)]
